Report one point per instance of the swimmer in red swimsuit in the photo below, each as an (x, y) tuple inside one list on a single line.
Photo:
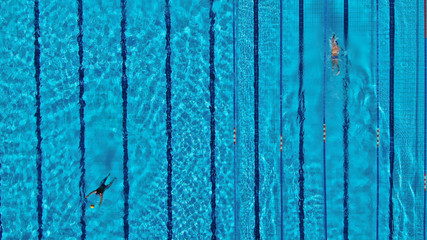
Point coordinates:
[(335, 52)]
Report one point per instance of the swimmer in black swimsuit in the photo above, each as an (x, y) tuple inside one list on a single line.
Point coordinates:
[(100, 191)]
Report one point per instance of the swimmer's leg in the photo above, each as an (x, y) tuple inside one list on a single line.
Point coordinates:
[(109, 185), (90, 194), (102, 197), (105, 179)]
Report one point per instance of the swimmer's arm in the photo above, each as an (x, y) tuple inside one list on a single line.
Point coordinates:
[(91, 193), (102, 196), (109, 185)]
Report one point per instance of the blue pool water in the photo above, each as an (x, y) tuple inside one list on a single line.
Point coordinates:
[(251, 185)]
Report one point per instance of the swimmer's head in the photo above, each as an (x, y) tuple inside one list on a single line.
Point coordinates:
[(92, 206)]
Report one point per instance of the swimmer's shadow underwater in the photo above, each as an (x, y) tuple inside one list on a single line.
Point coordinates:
[(100, 190)]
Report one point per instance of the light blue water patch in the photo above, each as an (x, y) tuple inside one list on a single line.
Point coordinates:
[(269, 124), (405, 131), (146, 30), (313, 142), (290, 122), (191, 186), (362, 113), (146, 119), (224, 118), (419, 124), (18, 124), (245, 153), (60, 121)]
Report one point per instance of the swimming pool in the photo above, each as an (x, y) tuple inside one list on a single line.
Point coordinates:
[(219, 120)]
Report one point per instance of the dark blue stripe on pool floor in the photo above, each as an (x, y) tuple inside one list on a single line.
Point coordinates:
[(1, 222), (391, 113), (325, 206), (425, 112), (417, 116), (256, 119), (168, 72), (417, 97), (281, 122), (378, 127), (234, 122), (38, 120), (346, 125), (82, 183), (301, 118), (125, 131), (212, 110)]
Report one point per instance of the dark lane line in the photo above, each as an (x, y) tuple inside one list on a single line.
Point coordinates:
[(346, 125), (212, 110), (256, 119), (281, 122), (168, 72), (234, 122), (301, 118), (378, 128), (125, 131), (391, 111), (39, 159), (325, 206), (82, 183), (425, 112)]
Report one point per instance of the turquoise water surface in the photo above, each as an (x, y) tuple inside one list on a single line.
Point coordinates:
[(303, 97)]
